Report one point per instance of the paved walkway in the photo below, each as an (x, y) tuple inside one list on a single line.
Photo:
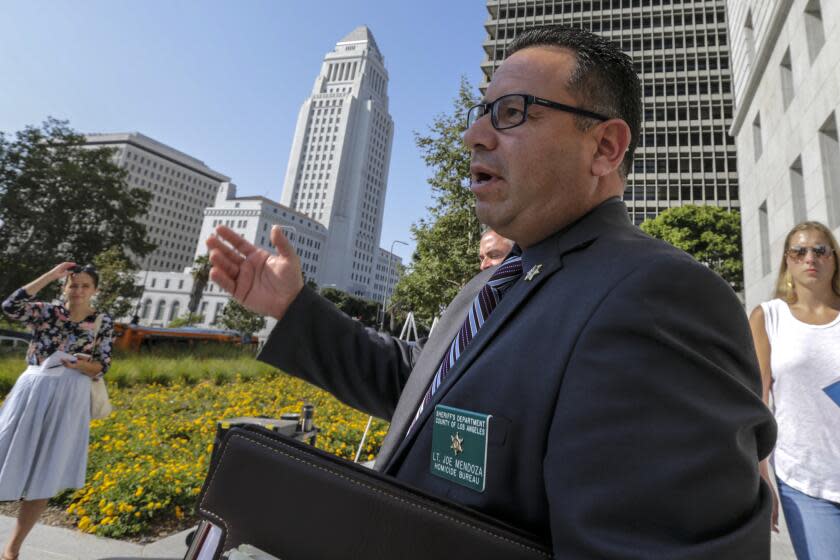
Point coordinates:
[(57, 543)]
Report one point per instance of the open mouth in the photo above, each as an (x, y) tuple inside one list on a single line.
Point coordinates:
[(481, 178)]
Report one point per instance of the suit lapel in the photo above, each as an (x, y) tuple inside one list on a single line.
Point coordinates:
[(498, 319), (549, 254), (428, 363)]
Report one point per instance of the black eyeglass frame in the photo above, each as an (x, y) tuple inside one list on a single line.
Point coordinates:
[(528, 101)]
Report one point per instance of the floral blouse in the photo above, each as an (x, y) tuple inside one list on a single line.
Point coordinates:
[(53, 330)]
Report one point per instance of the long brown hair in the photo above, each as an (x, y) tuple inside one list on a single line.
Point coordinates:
[(784, 283)]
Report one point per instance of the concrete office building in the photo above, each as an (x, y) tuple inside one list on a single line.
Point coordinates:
[(166, 295), (681, 53), (787, 99), (338, 166), (388, 271), (253, 216), (182, 187)]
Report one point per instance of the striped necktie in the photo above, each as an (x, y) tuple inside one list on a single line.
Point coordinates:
[(483, 304)]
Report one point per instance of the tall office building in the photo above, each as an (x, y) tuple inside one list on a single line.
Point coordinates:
[(787, 100), (338, 166), (680, 50), (182, 187)]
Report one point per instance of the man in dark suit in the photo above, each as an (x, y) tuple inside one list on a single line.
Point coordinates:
[(599, 388)]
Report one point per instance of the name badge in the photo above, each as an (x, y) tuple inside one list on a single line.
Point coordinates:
[(459, 446)]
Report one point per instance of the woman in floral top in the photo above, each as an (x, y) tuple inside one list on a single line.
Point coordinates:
[(44, 420)]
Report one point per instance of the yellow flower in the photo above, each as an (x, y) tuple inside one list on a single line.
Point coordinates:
[(139, 492)]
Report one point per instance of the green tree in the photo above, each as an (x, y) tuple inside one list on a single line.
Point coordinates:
[(201, 275), (446, 255), (710, 234), (235, 317), (186, 320), (62, 201), (118, 289), (362, 309)]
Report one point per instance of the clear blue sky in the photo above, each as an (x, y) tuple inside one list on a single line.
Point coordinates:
[(223, 80)]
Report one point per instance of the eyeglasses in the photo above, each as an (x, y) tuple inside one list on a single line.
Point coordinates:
[(798, 252), (511, 110)]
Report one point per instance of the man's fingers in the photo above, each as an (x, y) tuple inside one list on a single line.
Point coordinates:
[(281, 243), (237, 241), (221, 253), (221, 279), (222, 263), (215, 243)]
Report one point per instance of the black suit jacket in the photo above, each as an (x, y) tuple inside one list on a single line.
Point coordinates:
[(625, 394)]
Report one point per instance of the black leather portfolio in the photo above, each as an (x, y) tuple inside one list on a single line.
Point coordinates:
[(269, 496)]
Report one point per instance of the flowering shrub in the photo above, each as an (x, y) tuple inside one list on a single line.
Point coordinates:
[(148, 460)]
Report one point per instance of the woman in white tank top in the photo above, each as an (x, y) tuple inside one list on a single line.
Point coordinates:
[(797, 339)]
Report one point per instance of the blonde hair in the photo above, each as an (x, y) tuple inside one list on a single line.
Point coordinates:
[(784, 283)]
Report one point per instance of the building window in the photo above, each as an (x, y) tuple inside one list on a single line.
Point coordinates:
[(166, 284), (147, 306), (814, 32), (764, 235), (830, 158), (797, 192), (786, 70), (159, 310), (154, 280), (749, 38), (757, 136), (180, 284), (173, 312)]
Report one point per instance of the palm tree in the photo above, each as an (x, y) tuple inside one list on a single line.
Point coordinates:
[(201, 275)]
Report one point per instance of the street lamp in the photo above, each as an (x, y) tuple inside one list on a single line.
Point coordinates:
[(388, 282)]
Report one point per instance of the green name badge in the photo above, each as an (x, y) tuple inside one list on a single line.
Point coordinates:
[(459, 446)]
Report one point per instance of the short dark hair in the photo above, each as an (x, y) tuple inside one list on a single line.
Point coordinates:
[(603, 75)]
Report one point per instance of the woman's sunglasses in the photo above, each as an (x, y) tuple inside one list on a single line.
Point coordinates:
[(798, 252), (79, 268)]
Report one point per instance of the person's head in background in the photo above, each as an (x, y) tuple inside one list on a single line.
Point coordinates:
[(80, 286), (493, 248), (809, 262)]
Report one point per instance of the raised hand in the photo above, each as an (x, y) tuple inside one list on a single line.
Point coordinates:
[(60, 271), (264, 283), (57, 273)]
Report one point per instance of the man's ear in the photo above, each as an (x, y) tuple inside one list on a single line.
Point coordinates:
[(613, 139)]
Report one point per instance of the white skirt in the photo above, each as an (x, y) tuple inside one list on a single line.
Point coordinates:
[(44, 425)]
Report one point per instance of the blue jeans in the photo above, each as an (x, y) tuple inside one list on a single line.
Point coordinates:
[(813, 524)]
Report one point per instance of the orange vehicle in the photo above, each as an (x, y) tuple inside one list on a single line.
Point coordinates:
[(135, 337)]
